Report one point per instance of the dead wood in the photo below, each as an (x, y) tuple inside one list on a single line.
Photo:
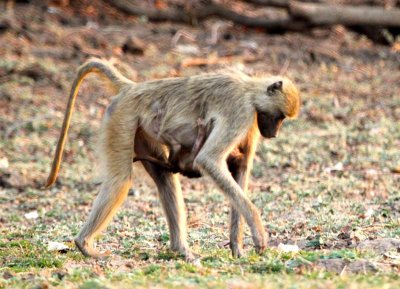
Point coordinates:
[(325, 14), (375, 22), (276, 3), (196, 14), (271, 3)]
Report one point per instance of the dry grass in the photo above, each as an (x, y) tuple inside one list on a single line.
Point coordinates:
[(327, 184)]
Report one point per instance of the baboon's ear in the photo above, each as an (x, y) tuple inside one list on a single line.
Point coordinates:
[(274, 87)]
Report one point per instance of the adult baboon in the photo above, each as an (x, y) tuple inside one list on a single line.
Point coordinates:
[(239, 108)]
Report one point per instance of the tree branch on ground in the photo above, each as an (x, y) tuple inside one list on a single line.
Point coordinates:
[(301, 16), (271, 3), (212, 9), (326, 14)]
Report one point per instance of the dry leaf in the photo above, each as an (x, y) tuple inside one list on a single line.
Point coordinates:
[(396, 170), (392, 256), (396, 47)]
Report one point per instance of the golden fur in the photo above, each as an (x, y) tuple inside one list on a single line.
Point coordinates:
[(237, 107)]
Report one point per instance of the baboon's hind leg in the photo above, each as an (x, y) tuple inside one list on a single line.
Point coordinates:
[(117, 153), (170, 194)]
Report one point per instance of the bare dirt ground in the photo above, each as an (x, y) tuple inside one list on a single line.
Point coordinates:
[(329, 184)]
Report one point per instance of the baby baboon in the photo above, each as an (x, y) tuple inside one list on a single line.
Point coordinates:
[(239, 108), (181, 159)]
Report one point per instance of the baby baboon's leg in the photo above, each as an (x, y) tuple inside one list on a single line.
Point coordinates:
[(153, 160), (175, 150), (200, 139), (117, 142), (211, 159), (170, 194)]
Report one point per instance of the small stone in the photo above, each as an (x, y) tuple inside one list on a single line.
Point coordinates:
[(32, 215), (4, 164), (133, 192), (7, 275), (57, 246)]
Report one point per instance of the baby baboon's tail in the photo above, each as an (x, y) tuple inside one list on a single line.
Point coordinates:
[(94, 65)]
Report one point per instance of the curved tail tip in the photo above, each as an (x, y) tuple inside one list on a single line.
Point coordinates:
[(50, 181)]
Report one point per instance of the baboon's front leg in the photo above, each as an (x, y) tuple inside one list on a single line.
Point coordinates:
[(238, 168), (211, 160), (219, 172), (239, 163), (171, 198)]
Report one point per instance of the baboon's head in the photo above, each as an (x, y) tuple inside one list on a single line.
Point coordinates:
[(276, 98)]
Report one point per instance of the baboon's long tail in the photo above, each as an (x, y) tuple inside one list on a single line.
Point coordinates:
[(95, 65)]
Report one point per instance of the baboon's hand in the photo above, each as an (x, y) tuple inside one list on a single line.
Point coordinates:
[(261, 245), (236, 250)]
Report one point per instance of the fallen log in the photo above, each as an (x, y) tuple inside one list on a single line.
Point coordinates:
[(196, 14), (276, 3), (375, 22), (326, 14), (271, 3)]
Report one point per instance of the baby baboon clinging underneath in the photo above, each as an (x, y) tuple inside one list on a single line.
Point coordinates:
[(239, 107), (180, 159)]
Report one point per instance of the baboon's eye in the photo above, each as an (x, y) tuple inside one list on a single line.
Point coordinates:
[(274, 87)]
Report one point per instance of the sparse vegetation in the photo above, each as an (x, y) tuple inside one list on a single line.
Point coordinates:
[(329, 183)]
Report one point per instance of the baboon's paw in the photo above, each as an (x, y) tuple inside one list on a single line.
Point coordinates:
[(261, 244), (236, 250)]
